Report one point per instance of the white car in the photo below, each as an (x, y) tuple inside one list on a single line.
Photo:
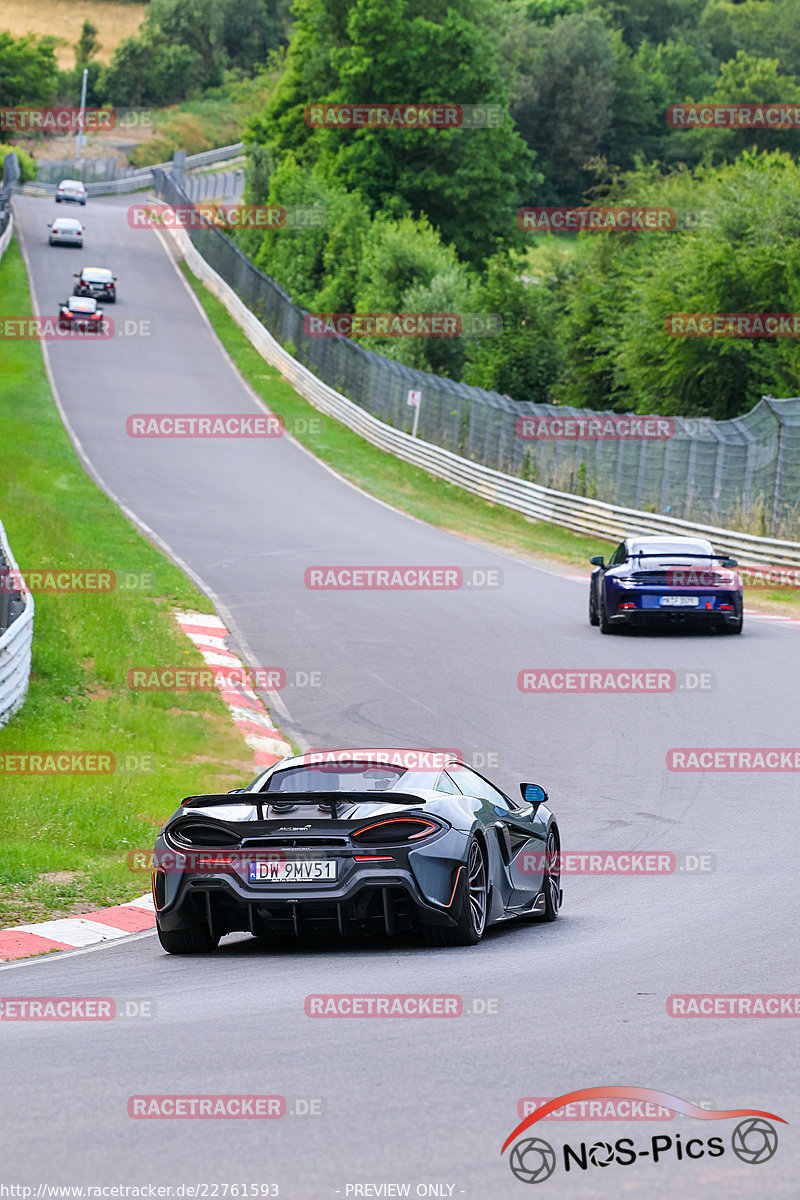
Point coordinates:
[(72, 190), (65, 231)]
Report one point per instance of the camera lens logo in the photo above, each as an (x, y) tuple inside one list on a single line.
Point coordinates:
[(601, 1154), (533, 1160), (754, 1140)]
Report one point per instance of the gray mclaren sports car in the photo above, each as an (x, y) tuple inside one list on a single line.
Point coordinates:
[(355, 842)]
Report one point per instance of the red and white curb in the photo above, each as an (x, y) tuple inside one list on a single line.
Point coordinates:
[(23, 941), (249, 715)]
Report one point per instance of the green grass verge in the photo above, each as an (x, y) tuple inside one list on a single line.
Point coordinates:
[(65, 839), (407, 487)]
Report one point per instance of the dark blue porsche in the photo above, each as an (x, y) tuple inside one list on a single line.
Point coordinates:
[(667, 582)]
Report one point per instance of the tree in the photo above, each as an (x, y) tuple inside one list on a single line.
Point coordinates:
[(28, 71), (405, 267), (524, 360), (618, 351), (643, 21), (468, 182), (750, 80), (148, 70), (87, 44), (561, 97)]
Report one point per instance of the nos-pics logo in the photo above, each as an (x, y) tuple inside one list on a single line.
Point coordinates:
[(533, 1160)]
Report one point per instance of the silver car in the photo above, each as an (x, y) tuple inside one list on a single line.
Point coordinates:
[(65, 231), (71, 190)]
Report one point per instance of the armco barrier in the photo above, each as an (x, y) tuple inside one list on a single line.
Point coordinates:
[(16, 636), (6, 231), (607, 521), (135, 180)]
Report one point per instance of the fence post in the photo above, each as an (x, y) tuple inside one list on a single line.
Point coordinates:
[(179, 166)]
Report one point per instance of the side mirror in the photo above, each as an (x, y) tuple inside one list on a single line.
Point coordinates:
[(533, 793), (730, 562), (597, 560)]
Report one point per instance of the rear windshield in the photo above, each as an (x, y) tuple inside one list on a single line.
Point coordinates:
[(82, 304), (338, 777), (672, 549), (67, 226), (96, 274)]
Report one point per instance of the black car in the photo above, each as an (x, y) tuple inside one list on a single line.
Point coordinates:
[(354, 844), (97, 282), (81, 312), (666, 581)]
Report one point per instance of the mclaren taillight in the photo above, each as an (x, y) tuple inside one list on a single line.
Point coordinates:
[(196, 835), (394, 829), (626, 606)]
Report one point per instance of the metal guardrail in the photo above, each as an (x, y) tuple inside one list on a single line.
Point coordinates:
[(16, 634), (6, 231), (594, 517), (135, 179)]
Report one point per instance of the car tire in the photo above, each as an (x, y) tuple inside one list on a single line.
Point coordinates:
[(602, 620), (473, 906), (50, 240), (593, 617), (735, 628), (553, 894), (196, 939), (58, 199)]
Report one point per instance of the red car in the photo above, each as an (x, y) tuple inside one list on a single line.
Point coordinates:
[(80, 312)]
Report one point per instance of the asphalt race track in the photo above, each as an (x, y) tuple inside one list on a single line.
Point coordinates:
[(579, 1003)]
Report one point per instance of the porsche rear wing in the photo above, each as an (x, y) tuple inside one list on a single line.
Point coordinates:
[(285, 801), (724, 558)]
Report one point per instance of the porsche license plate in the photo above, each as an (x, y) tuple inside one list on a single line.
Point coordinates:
[(680, 601), (296, 870)]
